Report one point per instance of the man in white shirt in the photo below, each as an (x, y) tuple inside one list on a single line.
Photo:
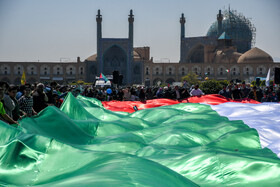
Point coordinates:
[(196, 91)]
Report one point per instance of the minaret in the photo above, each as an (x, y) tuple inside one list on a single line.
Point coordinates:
[(130, 37), (182, 21), (220, 19), (99, 37), (130, 20)]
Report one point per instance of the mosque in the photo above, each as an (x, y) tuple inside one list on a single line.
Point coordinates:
[(225, 53)]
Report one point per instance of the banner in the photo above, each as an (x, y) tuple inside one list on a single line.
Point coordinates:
[(23, 78)]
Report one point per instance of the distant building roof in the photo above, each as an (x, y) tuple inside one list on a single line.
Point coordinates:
[(255, 55)]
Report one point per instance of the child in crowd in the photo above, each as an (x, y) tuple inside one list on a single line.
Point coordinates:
[(26, 101)]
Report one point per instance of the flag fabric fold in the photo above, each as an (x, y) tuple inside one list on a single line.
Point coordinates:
[(185, 144), (212, 99)]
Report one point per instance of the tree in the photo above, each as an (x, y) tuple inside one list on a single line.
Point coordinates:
[(211, 87), (224, 82), (191, 78)]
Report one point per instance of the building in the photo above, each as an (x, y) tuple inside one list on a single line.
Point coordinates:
[(61, 72), (225, 53)]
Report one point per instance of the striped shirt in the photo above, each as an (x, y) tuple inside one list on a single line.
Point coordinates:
[(26, 104)]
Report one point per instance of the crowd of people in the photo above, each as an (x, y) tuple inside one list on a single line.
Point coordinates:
[(241, 91), (28, 100)]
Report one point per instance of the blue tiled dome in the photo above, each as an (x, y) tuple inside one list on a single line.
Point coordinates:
[(239, 29)]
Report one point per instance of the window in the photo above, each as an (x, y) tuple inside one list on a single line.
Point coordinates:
[(70, 72), (45, 73), (247, 69), (32, 68), (247, 73), (6, 72), (221, 73), (18, 72), (18, 68), (31, 72), (70, 69), (57, 72), (6, 68), (45, 68), (233, 73), (57, 69), (233, 69)]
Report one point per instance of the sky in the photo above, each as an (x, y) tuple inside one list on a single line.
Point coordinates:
[(62, 30)]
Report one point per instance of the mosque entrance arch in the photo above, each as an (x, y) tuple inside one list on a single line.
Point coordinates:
[(115, 59), (196, 55)]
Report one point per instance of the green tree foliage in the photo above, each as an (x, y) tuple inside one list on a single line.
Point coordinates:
[(191, 79), (224, 82), (211, 87)]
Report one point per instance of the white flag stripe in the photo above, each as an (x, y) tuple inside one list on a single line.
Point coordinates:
[(264, 117)]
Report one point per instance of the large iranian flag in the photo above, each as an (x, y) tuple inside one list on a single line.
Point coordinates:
[(179, 144)]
